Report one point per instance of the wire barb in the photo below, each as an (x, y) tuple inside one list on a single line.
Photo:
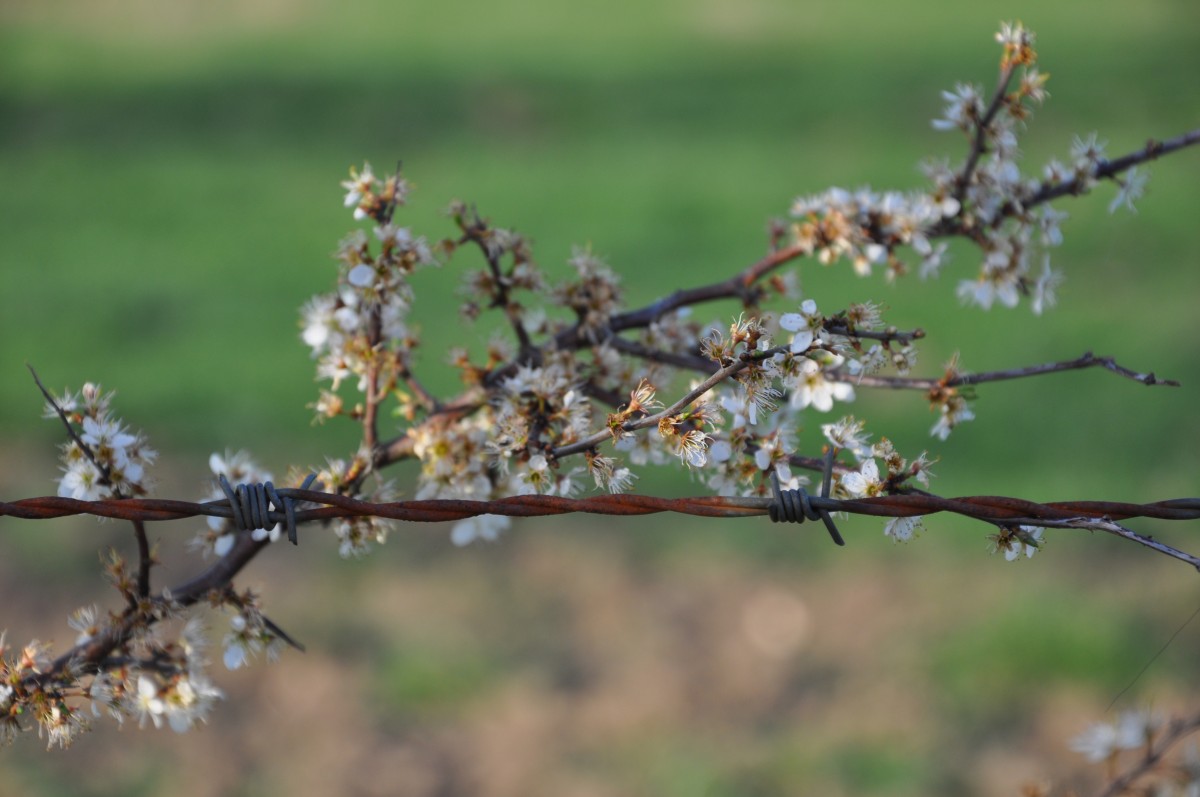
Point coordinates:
[(795, 506), (249, 505), (993, 509)]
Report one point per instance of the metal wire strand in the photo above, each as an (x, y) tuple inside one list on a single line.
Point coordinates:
[(795, 506), (249, 505), (994, 509)]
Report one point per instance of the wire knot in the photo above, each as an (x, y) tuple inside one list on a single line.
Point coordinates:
[(795, 506), (249, 505)]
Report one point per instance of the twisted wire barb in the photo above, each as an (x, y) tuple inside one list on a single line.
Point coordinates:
[(787, 505), (249, 505), (796, 506)]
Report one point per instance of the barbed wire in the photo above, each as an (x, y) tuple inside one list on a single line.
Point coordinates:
[(784, 505)]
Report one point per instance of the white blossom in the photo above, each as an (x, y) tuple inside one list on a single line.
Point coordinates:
[(480, 527)]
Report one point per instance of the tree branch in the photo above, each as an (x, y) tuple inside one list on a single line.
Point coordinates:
[(1087, 360)]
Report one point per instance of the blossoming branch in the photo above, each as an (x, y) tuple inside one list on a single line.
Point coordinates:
[(582, 393)]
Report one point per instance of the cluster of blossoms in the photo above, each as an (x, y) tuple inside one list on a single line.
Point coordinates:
[(867, 481), (155, 680), (145, 674), (1140, 741), (103, 459), (988, 200), (250, 633), (355, 535), (1133, 730), (373, 296)]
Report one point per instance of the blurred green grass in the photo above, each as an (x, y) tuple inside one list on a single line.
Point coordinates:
[(170, 198)]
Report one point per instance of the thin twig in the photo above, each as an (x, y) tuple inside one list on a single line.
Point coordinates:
[(1049, 191), (145, 559), (426, 399), (737, 286), (688, 360), (1110, 168), (105, 473), (888, 335), (1086, 360), (473, 232), (89, 656), (1104, 524), (979, 144)]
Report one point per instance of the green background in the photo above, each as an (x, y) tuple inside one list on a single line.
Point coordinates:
[(170, 197)]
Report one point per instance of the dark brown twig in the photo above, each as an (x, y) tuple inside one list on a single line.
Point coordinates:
[(145, 559), (1110, 168), (475, 231), (1086, 360), (105, 473)]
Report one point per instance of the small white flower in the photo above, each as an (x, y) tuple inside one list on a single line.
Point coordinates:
[(1136, 727), (1097, 743), (1088, 152), (1133, 185), (361, 276), (863, 482), (235, 655), (98, 433), (83, 620), (147, 702), (81, 482), (1027, 541), (692, 448), (358, 185), (848, 434), (804, 324), (1044, 290), (400, 235), (815, 390), (931, 263), (621, 480), (224, 543), (480, 527), (963, 107), (736, 406), (902, 529), (954, 411)]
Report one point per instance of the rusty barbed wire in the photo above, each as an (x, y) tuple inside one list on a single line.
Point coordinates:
[(999, 510), (988, 508)]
